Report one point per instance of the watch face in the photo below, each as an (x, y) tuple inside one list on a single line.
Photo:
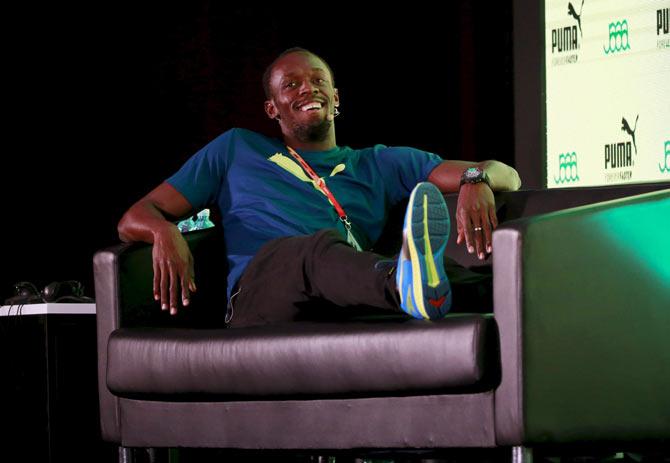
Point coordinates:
[(474, 175), (472, 172)]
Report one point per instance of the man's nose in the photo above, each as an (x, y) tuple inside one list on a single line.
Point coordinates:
[(308, 87)]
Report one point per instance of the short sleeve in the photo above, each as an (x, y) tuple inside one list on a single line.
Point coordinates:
[(402, 168), (201, 177)]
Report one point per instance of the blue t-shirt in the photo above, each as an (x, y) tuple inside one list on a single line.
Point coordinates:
[(263, 193)]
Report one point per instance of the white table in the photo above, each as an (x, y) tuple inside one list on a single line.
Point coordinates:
[(47, 309)]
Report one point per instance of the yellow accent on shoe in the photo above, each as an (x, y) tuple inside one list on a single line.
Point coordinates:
[(417, 284), (433, 279), (410, 306), (399, 281)]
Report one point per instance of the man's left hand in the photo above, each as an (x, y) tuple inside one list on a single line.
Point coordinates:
[(476, 218)]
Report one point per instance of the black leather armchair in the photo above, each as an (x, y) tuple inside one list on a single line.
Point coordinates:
[(575, 349)]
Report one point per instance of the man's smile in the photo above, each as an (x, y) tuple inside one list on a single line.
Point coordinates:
[(311, 105)]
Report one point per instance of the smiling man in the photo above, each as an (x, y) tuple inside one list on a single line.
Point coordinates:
[(306, 117), (300, 214)]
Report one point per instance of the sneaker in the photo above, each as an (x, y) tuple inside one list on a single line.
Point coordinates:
[(420, 277)]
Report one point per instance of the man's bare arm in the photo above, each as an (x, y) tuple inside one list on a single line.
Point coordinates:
[(447, 175), (148, 220), (147, 217)]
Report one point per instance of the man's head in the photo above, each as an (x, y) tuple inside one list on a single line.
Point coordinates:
[(301, 95)]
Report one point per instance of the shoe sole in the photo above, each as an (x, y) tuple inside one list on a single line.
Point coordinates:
[(427, 236)]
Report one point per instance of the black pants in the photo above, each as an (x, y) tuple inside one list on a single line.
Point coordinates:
[(321, 277)]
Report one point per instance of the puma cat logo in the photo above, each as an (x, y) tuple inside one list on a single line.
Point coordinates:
[(626, 128), (578, 17)]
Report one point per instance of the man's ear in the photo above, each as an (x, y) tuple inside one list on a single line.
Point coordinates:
[(336, 97), (271, 109)]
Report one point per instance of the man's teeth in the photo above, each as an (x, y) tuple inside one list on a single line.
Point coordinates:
[(309, 106)]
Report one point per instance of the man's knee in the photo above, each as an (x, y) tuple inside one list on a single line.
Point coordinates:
[(319, 242)]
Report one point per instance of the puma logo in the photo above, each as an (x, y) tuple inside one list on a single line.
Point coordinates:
[(626, 128), (572, 12)]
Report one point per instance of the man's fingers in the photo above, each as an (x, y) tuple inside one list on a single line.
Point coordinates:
[(478, 235), (191, 281), (164, 287), (486, 225), (188, 284), (459, 231), (157, 281), (467, 231), (174, 290), (475, 227), (185, 286)]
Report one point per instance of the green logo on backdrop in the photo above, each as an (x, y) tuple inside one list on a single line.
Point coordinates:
[(567, 168), (618, 37), (666, 168)]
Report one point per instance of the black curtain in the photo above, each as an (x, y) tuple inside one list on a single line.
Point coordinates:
[(104, 103)]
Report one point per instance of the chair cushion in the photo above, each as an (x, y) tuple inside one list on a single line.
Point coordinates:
[(304, 358)]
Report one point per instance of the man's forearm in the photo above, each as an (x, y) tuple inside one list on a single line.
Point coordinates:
[(142, 222), (149, 217), (447, 176)]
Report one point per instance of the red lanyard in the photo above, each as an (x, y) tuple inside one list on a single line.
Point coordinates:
[(321, 185)]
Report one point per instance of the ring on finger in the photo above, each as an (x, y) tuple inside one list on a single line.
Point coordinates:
[(478, 229)]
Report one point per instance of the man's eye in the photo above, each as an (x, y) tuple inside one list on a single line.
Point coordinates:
[(320, 81), (291, 84)]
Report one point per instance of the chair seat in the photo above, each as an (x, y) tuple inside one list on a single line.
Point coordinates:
[(304, 358)]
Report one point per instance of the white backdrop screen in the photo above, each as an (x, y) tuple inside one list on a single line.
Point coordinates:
[(607, 92)]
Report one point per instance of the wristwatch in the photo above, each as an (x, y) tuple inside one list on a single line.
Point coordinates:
[(474, 175)]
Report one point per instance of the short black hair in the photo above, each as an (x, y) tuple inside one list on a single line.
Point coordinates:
[(268, 70)]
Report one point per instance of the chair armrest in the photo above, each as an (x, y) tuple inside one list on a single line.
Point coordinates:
[(582, 299), (123, 277)]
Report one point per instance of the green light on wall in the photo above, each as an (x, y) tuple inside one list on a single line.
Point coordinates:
[(632, 235)]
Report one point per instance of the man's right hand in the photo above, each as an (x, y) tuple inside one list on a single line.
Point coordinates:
[(174, 275), (172, 260)]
